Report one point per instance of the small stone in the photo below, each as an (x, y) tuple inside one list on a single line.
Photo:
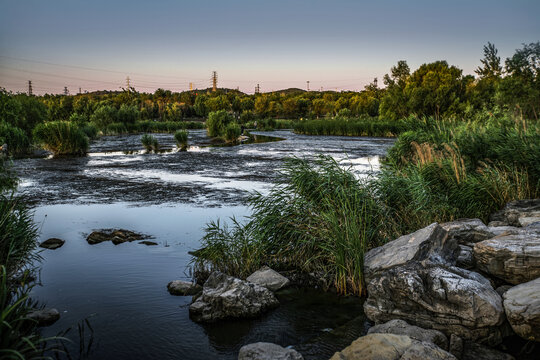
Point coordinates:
[(268, 278), (148, 243), (183, 288), (52, 243), (267, 351), (45, 317)]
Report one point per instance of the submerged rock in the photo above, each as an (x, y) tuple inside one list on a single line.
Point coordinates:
[(117, 236), (45, 317), (224, 297), (270, 279), (183, 288), (52, 243), (391, 347), (400, 327), (267, 351), (522, 307), (512, 258), (148, 243)]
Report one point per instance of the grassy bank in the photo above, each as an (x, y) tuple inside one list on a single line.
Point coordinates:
[(149, 126), (350, 127), (320, 218)]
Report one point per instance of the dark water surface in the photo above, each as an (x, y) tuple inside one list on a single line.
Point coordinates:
[(121, 290)]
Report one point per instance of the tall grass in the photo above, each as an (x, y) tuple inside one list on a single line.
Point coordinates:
[(318, 217), (181, 138), (16, 139), (350, 127), (149, 126), (150, 143), (61, 138)]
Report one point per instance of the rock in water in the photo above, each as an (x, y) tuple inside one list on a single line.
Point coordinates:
[(52, 243), (391, 347), (224, 297), (400, 327), (522, 307), (512, 258), (45, 317), (267, 351), (117, 236), (183, 288), (268, 278)]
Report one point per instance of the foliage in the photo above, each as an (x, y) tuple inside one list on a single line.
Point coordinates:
[(61, 138), (232, 132), (217, 122), (181, 137), (127, 114), (16, 139), (350, 127), (150, 143), (104, 115)]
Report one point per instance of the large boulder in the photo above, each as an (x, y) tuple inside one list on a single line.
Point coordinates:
[(522, 307), (518, 213), (117, 236), (474, 351), (224, 297), (430, 245), (183, 288), (267, 351), (451, 300), (468, 231), (268, 278), (44, 317), (512, 258), (400, 327), (391, 347), (52, 243)]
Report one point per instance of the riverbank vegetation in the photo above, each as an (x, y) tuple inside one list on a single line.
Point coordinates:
[(61, 138)]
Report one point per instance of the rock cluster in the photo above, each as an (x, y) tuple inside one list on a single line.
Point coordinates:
[(117, 236), (432, 293)]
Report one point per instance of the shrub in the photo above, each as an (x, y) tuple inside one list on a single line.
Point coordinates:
[(181, 138), (128, 114), (232, 132), (150, 143), (61, 138), (15, 138), (104, 115), (217, 122)]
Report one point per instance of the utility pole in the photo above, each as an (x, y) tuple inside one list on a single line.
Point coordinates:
[(257, 89), (214, 80), (308, 85), (66, 91), (29, 87), (190, 86)]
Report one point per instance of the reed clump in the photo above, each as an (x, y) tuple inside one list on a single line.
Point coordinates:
[(61, 138)]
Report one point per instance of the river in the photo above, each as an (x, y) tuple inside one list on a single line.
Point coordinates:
[(121, 290)]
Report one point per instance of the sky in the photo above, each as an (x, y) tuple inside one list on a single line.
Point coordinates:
[(335, 45)]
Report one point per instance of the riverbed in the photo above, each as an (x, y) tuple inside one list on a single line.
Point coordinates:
[(170, 196)]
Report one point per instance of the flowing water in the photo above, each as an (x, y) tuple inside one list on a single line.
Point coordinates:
[(121, 290)]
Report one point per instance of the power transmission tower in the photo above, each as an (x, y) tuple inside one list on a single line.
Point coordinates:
[(214, 80), (257, 89), (127, 84), (30, 87), (66, 91), (80, 92), (190, 86), (308, 85)]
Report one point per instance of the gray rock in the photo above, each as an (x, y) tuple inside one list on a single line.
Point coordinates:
[(117, 236), (44, 317), (224, 297), (518, 213), (474, 351), (465, 258), (451, 300), (512, 258), (467, 231), (269, 278), (456, 346), (502, 289), (391, 347), (400, 327), (267, 351), (183, 288), (429, 245), (52, 243), (497, 223), (148, 243), (522, 307)]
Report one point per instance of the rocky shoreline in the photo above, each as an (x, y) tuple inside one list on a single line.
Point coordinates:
[(447, 291)]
